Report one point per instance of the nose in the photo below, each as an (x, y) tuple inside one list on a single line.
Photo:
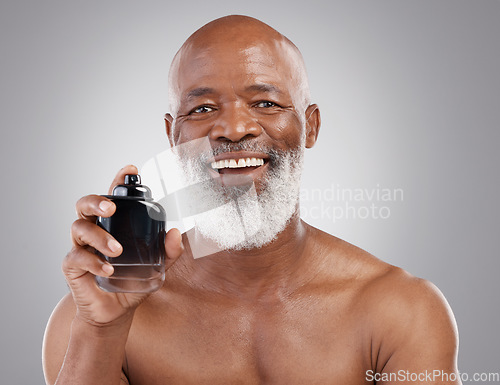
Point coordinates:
[(234, 122)]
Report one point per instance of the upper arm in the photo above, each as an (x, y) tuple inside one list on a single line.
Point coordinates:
[(56, 339), (421, 338)]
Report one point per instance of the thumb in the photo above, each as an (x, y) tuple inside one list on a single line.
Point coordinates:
[(173, 247)]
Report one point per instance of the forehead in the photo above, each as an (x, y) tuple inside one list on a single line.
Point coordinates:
[(236, 64)]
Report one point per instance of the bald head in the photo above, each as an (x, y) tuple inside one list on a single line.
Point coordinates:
[(241, 39)]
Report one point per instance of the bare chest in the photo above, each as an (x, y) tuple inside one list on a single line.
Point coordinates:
[(293, 343)]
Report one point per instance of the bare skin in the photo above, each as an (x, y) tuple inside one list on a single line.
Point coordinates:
[(308, 308)]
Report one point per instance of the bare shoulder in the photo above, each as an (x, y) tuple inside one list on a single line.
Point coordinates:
[(408, 306), (408, 316), (346, 264), (374, 280), (379, 286), (55, 341)]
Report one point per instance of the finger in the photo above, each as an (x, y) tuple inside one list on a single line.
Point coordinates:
[(81, 261), (86, 233), (173, 246), (91, 206), (120, 176)]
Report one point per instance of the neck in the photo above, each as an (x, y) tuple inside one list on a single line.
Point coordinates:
[(276, 269)]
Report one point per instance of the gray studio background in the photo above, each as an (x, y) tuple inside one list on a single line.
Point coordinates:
[(409, 95)]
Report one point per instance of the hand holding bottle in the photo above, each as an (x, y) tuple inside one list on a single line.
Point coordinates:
[(82, 265)]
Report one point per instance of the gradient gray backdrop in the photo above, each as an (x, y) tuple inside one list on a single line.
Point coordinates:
[(409, 95)]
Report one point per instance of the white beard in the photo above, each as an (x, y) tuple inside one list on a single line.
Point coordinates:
[(242, 219)]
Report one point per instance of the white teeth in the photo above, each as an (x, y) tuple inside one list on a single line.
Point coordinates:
[(237, 163)]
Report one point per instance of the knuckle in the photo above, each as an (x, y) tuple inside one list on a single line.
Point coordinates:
[(88, 203), (78, 258), (82, 202), (76, 227), (69, 259)]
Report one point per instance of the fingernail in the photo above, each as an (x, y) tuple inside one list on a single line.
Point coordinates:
[(114, 245), (105, 205), (108, 269)]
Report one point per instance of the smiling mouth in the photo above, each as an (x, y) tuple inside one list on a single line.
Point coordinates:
[(237, 163)]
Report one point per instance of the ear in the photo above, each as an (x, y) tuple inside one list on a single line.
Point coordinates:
[(313, 123), (169, 123)]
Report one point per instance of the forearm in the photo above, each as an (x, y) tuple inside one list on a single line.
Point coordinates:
[(95, 354)]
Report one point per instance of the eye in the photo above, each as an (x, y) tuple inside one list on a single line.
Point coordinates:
[(202, 110), (266, 104)]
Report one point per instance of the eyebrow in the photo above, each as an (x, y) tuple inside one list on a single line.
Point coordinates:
[(200, 91), (258, 88), (263, 88)]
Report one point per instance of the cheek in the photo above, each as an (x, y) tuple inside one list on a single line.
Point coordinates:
[(285, 128), (191, 140), (189, 131)]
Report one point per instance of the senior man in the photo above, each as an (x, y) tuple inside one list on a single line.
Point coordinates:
[(288, 304)]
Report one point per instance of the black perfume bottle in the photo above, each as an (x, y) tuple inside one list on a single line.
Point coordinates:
[(139, 225)]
